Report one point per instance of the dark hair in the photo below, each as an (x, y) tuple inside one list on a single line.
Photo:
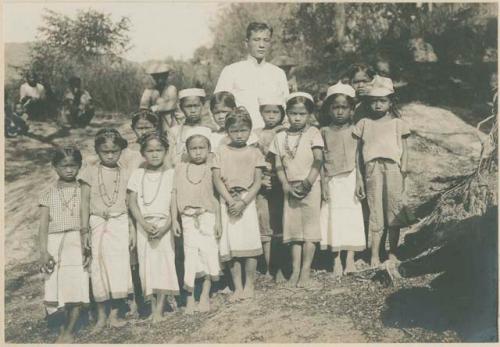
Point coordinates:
[(360, 67), (146, 115), (74, 80), (301, 100), (144, 140), (107, 134), (324, 112), (258, 26), (238, 116), (280, 107), (62, 153), (225, 98), (196, 136)]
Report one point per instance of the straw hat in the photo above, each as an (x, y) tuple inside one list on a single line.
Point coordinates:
[(158, 68), (380, 86), (184, 93)]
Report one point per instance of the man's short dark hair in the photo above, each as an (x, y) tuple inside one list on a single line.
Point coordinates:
[(258, 26)]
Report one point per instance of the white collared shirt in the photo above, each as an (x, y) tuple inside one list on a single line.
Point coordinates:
[(248, 80)]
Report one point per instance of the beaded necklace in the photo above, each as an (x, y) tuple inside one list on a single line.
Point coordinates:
[(289, 151), (106, 199), (189, 179), (70, 204), (157, 190)]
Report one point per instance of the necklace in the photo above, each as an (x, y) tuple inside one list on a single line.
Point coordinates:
[(157, 190), (190, 180), (106, 199), (289, 151), (70, 204)]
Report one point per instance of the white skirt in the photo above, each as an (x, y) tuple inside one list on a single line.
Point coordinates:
[(241, 235), (342, 227), (201, 251), (157, 261), (110, 269), (69, 282)]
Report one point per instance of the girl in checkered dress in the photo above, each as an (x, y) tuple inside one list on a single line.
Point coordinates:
[(61, 256)]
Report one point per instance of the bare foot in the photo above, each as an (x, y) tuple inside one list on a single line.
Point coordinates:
[(349, 268), (393, 258), (156, 317), (190, 307), (280, 278), (248, 292), (236, 296), (268, 276), (115, 322), (99, 326), (375, 262), (292, 282), (337, 269), (204, 306), (309, 283), (133, 312)]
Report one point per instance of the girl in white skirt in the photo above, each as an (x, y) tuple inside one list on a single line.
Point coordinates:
[(61, 255), (193, 198), (149, 190), (237, 171), (341, 214), (104, 214)]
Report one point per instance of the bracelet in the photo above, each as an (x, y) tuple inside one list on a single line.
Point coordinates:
[(306, 184)]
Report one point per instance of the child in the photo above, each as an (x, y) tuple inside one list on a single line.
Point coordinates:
[(149, 191), (237, 172), (221, 104), (61, 256), (14, 123), (269, 201), (298, 153), (359, 77), (382, 139), (193, 198), (191, 103), (342, 217), (104, 215), (78, 108)]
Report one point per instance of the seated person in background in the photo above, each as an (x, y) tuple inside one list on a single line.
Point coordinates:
[(77, 107), (32, 96), (14, 123)]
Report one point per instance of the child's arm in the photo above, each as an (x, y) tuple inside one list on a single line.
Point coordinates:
[(43, 233), (174, 213), (240, 205), (85, 216), (221, 187), (280, 172), (315, 169), (136, 213), (132, 233), (360, 186), (218, 221), (324, 183), (404, 158)]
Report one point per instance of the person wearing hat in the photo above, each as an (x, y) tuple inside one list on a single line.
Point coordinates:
[(191, 103), (287, 64), (342, 224), (382, 138), (253, 77), (32, 96), (160, 97)]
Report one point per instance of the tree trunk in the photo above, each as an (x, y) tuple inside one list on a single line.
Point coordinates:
[(340, 21)]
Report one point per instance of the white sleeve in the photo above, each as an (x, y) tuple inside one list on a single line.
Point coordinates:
[(284, 85), (225, 81)]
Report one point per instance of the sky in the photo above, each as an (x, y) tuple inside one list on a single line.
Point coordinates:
[(158, 29)]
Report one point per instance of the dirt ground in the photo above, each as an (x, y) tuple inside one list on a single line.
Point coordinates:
[(353, 309)]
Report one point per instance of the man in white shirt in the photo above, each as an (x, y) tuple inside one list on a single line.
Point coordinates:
[(253, 77), (32, 96)]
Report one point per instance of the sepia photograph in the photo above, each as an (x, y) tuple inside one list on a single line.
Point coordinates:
[(250, 172)]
